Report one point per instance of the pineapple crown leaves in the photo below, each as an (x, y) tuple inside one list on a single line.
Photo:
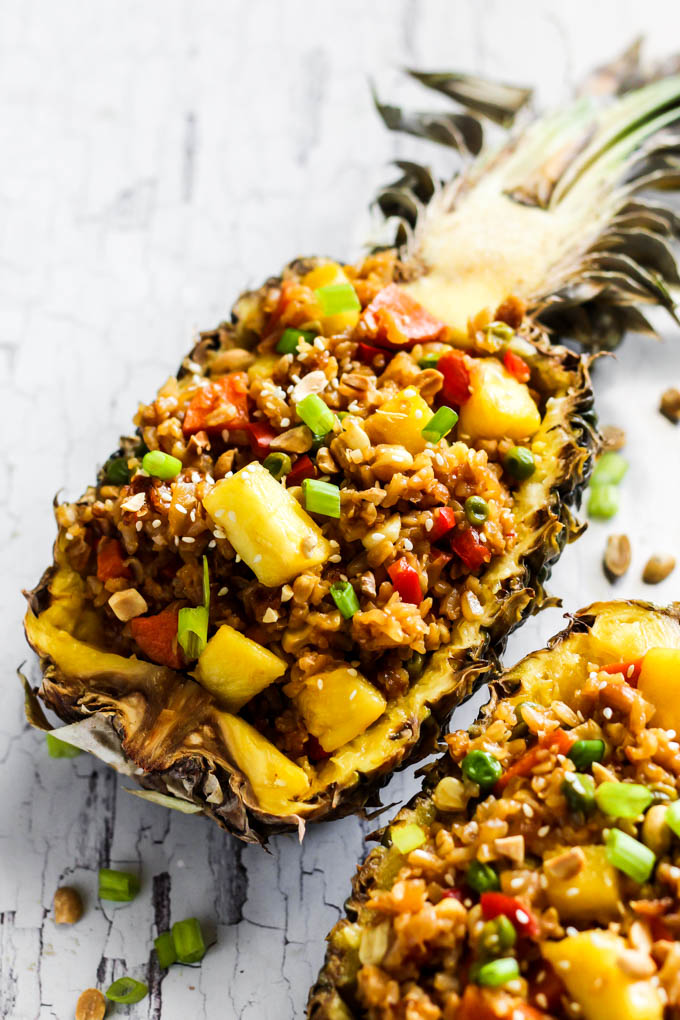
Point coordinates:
[(589, 168)]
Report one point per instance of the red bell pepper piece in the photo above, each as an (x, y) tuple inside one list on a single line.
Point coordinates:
[(405, 579), (659, 930), (261, 434), (633, 666), (444, 521), (453, 894), (494, 904), (453, 365), (394, 320), (470, 548), (558, 740), (478, 1004), (302, 468), (315, 751), (221, 404), (156, 636), (367, 354), (110, 560), (517, 366)]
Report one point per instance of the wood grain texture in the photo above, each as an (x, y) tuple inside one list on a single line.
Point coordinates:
[(157, 158)]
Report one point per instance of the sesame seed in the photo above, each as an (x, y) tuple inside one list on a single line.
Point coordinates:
[(225, 435), (212, 543), (429, 524), (257, 558), (353, 695), (157, 523), (218, 533), (231, 516), (407, 544), (607, 712), (188, 538), (237, 559), (285, 422), (352, 672), (336, 558), (223, 591), (180, 509), (69, 536), (138, 525), (319, 684), (543, 831), (219, 513), (528, 810)]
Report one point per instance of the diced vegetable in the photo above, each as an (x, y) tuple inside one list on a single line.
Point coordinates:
[(623, 800), (470, 548), (263, 366), (316, 414), (188, 940), (517, 366), (495, 903), (455, 367), (338, 705), (220, 404), (629, 855), (119, 886), (277, 464), (127, 990), (477, 1004), (165, 950), (338, 299), (673, 817), (234, 669), (499, 406), (161, 465), (396, 320), (261, 435), (557, 740), (405, 579), (156, 636), (110, 562), (476, 509), (519, 463), (321, 497), (370, 355), (603, 501), (290, 340), (57, 748), (266, 526), (482, 877), (579, 792), (497, 972), (497, 936), (345, 598), (659, 683), (400, 420), (192, 623), (303, 468), (407, 836), (482, 768), (592, 894), (444, 521), (339, 305), (630, 670), (584, 752), (429, 360), (439, 425), (610, 469)]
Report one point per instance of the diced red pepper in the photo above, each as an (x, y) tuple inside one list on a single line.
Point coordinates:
[(261, 434), (394, 320), (110, 560), (454, 367), (659, 930), (469, 547), (221, 404), (302, 468), (558, 740), (444, 521), (495, 904), (315, 751), (453, 894), (367, 354), (156, 636), (517, 366), (632, 667), (405, 579), (481, 1004)]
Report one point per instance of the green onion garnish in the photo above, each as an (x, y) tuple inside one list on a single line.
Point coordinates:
[(476, 509), (345, 598), (165, 950), (337, 298), (629, 855), (277, 464), (519, 463), (290, 339), (497, 972), (407, 836), (610, 469), (192, 623), (161, 465), (119, 886), (116, 471), (482, 878), (603, 501), (59, 748), (673, 817), (429, 361), (584, 752), (439, 425), (623, 800), (482, 768), (321, 497), (497, 935), (127, 990), (579, 792), (316, 414), (188, 939)]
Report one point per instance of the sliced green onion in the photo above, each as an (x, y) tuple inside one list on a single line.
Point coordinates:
[(290, 340), (165, 950), (497, 972), (429, 361), (603, 501), (519, 463), (476, 509), (119, 886), (337, 298), (192, 622), (482, 877), (57, 748), (439, 425), (116, 471), (673, 817), (623, 800), (407, 836), (161, 465), (127, 990), (345, 598), (584, 752), (579, 792), (629, 855), (482, 768), (497, 935), (610, 469), (277, 464), (321, 497), (316, 414), (188, 939), (500, 329)]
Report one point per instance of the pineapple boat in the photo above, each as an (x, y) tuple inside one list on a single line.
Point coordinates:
[(537, 874), (277, 591)]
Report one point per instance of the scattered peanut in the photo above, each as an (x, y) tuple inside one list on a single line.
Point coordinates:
[(657, 569), (91, 1005), (670, 405), (655, 833), (68, 906), (613, 438), (617, 556)]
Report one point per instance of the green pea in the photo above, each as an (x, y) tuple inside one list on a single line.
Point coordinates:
[(277, 464), (519, 463), (482, 878), (415, 665), (497, 936), (429, 361), (482, 768), (476, 509), (579, 792), (520, 729), (584, 752)]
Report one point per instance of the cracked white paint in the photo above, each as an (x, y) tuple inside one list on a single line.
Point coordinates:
[(156, 159)]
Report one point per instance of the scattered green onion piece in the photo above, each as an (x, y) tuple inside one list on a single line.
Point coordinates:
[(277, 464), (337, 298), (316, 414), (497, 972), (629, 855), (57, 748), (497, 935), (192, 630), (188, 939), (161, 465), (415, 665), (407, 836), (165, 950), (673, 817), (321, 497), (127, 990), (519, 463), (119, 886), (610, 469), (290, 339), (579, 792), (116, 471), (476, 509), (482, 878), (429, 361), (345, 598), (603, 501), (623, 800), (500, 329), (482, 768), (440, 424), (584, 752)]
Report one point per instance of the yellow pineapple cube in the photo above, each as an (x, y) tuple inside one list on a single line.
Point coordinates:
[(498, 405), (659, 684), (266, 526), (338, 705), (401, 419), (325, 275), (590, 895), (263, 366), (331, 274), (235, 669)]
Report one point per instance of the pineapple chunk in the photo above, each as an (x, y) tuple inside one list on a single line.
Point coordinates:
[(266, 526), (235, 669), (590, 895), (276, 781), (623, 633), (263, 366), (588, 965), (328, 275), (659, 684), (498, 404), (400, 420), (338, 705)]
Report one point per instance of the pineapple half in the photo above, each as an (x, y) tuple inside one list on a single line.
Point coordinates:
[(405, 942)]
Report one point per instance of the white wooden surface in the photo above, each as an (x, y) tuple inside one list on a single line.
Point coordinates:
[(155, 159)]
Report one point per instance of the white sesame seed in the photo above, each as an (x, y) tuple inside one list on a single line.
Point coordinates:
[(607, 712), (528, 810), (212, 543), (257, 558), (336, 558), (285, 422), (353, 695), (219, 513), (319, 684), (180, 509), (188, 538), (407, 544), (225, 435), (231, 516), (69, 536), (218, 533), (352, 672), (192, 515), (543, 831), (138, 525), (237, 558), (223, 591), (157, 523), (429, 524)]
